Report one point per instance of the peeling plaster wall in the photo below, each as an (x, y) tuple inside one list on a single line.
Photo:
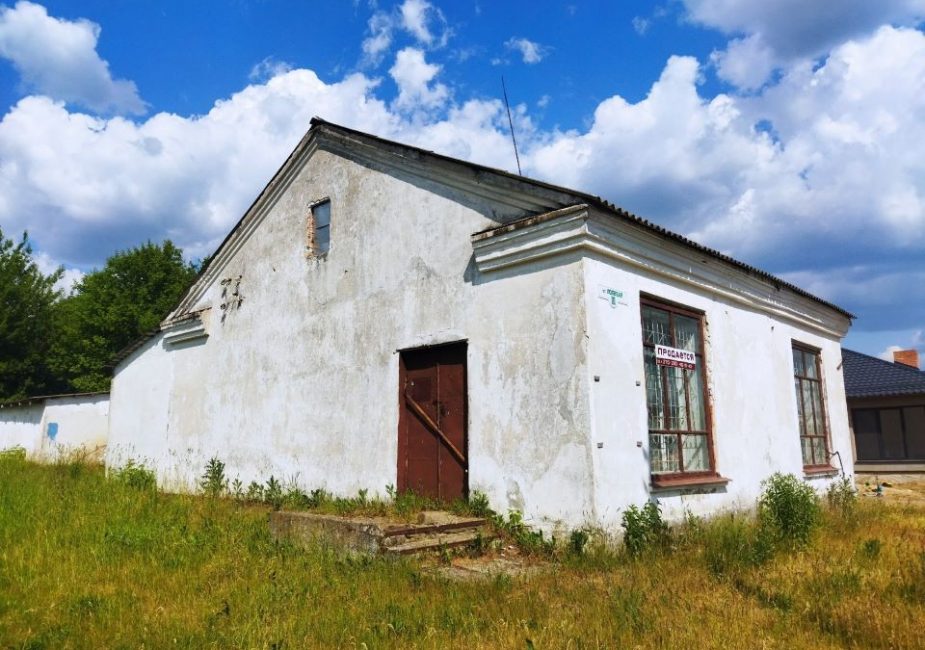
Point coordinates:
[(57, 426), (300, 381), (291, 370), (750, 387)]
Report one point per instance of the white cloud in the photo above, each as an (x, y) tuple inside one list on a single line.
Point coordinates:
[(745, 63), (86, 186), (379, 40), (641, 25), (58, 58), (838, 183), (419, 16), (421, 20), (834, 200), (69, 278), (414, 75), (796, 28), (267, 69), (530, 51), (775, 34), (887, 354)]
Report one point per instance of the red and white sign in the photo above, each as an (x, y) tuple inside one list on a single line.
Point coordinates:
[(674, 357)]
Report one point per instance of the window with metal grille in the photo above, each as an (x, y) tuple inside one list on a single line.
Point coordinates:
[(319, 228), (679, 429), (807, 379)]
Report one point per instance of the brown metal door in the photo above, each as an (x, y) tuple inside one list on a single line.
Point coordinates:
[(432, 444)]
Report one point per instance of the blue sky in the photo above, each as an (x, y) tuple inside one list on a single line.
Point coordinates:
[(787, 134)]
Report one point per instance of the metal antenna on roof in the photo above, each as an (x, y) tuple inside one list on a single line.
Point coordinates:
[(511, 123)]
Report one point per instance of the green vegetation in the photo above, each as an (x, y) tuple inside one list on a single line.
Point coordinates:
[(88, 561), (27, 298), (789, 510), (51, 343), (111, 308), (644, 529)]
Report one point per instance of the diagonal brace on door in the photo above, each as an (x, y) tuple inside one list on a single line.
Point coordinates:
[(435, 429)]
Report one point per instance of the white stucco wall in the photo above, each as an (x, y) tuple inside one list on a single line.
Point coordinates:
[(82, 424), (300, 381), (21, 426), (750, 388)]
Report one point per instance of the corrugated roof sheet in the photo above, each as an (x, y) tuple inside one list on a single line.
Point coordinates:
[(867, 376), (604, 205)]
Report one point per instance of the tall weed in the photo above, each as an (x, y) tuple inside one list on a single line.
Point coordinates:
[(644, 529), (732, 543), (842, 499), (213, 481), (13, 454), (529, 540), (789, 509), (135, 475)]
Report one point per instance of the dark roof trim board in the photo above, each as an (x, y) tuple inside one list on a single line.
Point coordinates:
[(36, 399), (867, 376)]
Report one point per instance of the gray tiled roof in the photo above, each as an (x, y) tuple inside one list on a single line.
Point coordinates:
[(867, 376)]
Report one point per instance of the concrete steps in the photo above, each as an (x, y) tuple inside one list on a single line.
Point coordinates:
[(433, 532), (427, 539)]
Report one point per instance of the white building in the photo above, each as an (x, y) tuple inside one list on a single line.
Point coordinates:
[(382, 315), (52, 427)]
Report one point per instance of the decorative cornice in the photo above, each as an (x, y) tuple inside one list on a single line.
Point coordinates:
[(580, 230), (191, 330)]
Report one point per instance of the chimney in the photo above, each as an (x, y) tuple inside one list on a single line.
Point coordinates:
[(907, 358)]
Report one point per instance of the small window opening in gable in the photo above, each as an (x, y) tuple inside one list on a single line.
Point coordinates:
[(319, 228)]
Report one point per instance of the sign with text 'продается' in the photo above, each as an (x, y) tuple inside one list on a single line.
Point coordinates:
[(674, 357)]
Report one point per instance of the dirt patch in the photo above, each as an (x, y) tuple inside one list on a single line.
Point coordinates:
[(506, 561), (907, 492)]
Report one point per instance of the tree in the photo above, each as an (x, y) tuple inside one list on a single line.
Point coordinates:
[(27, 297), (113, 307)]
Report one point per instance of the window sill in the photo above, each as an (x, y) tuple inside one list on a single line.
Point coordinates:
[(820, 472), (688, 482)]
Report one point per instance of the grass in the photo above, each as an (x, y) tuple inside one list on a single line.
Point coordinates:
[(91, 562)]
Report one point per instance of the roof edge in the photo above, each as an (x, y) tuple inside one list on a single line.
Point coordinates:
[(317, 124), (596, 201), (35, 399)]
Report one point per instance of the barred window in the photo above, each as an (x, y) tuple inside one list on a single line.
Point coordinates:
[(679, 431), (807, 380)]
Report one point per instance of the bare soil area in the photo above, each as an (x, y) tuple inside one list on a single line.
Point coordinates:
[(906, 492)]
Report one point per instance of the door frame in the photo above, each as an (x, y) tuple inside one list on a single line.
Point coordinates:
[(401, 456)]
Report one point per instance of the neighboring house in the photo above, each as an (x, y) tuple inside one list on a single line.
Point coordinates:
[(385, 316), (51, 426), (887, 404)]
